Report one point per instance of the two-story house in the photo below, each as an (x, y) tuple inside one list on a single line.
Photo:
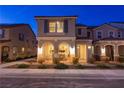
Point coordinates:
[(109, 41), (60, 36), (16, 40)]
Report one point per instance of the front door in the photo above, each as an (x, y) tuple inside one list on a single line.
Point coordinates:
[(5, 53), (81, 52)]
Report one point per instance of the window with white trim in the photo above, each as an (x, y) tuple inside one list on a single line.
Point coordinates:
[(56, 26), (1, 33), (111, 34), (99, 35), (119, 34)]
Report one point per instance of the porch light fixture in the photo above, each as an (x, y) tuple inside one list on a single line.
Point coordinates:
[(72, 50), (103, 51), (23, 49), (89, 47), (40, 50)]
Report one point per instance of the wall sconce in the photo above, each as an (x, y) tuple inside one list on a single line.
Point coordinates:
[(72, 50), (89, 47), (103, 51), (40, 50)]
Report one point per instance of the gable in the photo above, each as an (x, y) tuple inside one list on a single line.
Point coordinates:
[(105, 27)]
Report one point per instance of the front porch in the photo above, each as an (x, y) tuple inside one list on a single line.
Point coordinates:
[(109, 50), (64, 50)]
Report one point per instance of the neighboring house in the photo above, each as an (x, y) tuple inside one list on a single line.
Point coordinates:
[(109, 41), (16, 40), (60, 36)]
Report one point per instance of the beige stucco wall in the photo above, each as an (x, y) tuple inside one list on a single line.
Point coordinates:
[(105, 29), (13, 35), (83, 31), (71, 28)]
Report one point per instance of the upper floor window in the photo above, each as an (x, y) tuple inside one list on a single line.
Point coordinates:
[(21, 37), (1, 33), (99, 35), (56, 26), (79, 31), (111, 34), (119, 34), (88, 34)]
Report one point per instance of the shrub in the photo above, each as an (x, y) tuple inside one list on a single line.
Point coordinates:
[(103, 66), (61, 66), (120, 66), (42, 67), (79, 66), (23, 66), (41, 61), (121, 59), (56, 60), (75, 60), (92, 60)]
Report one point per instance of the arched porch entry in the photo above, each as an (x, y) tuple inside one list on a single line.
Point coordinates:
[(97, 52), (110, 52), (121, 50), (5, 53), (64, 51), (48, 50)]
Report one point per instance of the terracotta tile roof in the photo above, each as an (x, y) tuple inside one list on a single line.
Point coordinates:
[(109, 39), (55, 16), (11, 25), (4, 41), (81, 25)]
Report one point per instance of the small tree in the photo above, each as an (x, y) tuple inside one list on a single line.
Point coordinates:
[(75, 60)]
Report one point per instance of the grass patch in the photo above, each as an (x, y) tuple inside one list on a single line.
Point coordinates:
[(103, 66), (61, 66), (22, 66), (120, 66), (79, 66), (42, 67)]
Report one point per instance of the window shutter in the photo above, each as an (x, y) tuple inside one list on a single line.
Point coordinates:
[(3, 33), (66, 26), (46, 26)]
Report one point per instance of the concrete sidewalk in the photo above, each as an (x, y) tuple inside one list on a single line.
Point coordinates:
[(15, 62), (55, 73), (70, 73)]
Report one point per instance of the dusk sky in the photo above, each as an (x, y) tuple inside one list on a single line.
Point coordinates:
[(88, 15)]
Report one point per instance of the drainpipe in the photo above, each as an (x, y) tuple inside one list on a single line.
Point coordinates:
[(0, 55), (116, 54)]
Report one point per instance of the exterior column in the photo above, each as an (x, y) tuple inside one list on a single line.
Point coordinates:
[(72, 49), (0, 54), (55, 55), (116, 54), (11, 57), (39, 51), (103, 52)]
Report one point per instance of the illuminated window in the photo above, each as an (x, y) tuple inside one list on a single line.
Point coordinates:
[(23, 49), (52, 26), (14, 50), (59, 27), (56, 26)]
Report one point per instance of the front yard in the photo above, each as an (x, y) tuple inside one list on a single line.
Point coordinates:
[(35, 65)]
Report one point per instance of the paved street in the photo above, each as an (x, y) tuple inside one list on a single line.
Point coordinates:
[(60, 83), (53, 78), (21, 78)]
